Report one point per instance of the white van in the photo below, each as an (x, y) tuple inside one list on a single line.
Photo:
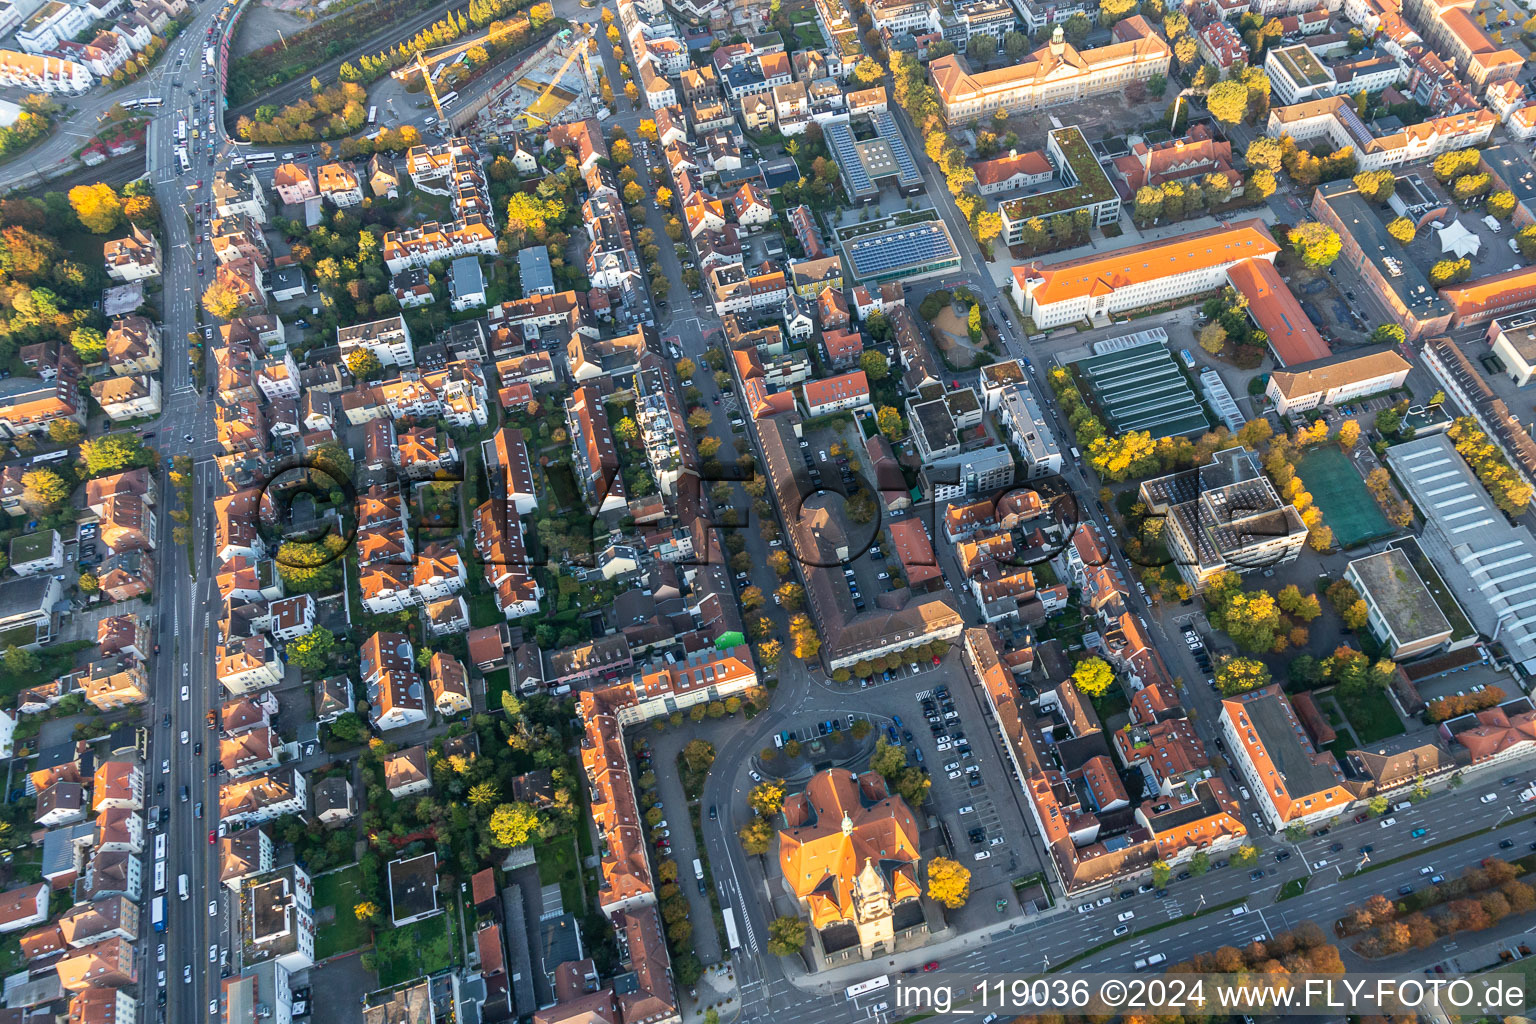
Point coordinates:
[(181, 887)]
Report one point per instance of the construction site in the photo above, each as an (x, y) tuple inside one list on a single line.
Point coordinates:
[(559, 83)]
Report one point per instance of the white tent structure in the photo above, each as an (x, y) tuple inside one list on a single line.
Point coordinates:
[(1455, 238)]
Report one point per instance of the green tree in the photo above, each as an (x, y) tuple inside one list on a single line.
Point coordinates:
[(1446, 272), (65, 431), (112, 452), (1388, 334), (1161, 873), (1500, 204), (890, 422), (1239, 675), (89, 344), (889, 760), (868, 71), (1213, 337), (786, 936), (1245, 855), (349, 727), (221, 301), (1375, 186), (767, 797), (1378, 805), (875, 366), (756, 836), (19, 661), (1199, 864), (312, 651)]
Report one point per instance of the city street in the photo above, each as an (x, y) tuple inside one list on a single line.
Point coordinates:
[(184, 609)]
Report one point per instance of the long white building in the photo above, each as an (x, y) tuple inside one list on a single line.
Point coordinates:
[(1098, 286)]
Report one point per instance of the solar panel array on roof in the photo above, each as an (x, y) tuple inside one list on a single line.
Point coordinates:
[(1140, 388), (876, 254), (885, 124), (839, 139)]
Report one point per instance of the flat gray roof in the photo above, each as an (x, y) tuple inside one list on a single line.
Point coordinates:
[(1468, 539), (1402, 598)]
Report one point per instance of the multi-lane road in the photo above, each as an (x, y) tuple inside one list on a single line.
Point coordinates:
[(184, 682)]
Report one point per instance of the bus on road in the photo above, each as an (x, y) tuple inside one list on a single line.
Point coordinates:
[(864, 988), (58, 456), (208, 57), (159, 876), (448, 100), (181, 155), (732, 940), (261, 158), (373, 116), (157, 913), (181, 130)]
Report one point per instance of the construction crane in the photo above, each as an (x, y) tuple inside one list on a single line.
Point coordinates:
[(570, 59), (431, 88), (447, 53)]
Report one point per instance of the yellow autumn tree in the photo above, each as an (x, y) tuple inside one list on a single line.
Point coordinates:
[(220, 300), (802, 633), (949, 882), (98, 207)]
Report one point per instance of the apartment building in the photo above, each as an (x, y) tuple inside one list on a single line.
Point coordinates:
[(133, 258), (1335, 121), (1292, 781), (389, 340), (36, 73), (1369, 252)]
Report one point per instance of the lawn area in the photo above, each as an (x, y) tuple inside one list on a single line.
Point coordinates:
[(417, 950), (1524, 968), (807, 33), (1295, 887), (1370, 715), (1337, 489), (53, 661), (496, 684), (339, 890), (558, 863)]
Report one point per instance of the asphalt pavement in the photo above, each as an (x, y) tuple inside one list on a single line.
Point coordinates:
[(183, 609)]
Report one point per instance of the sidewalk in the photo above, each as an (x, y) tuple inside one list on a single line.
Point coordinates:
[(835, 979)]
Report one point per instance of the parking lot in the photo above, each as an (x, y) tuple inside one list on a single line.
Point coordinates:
[(939, 718)]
